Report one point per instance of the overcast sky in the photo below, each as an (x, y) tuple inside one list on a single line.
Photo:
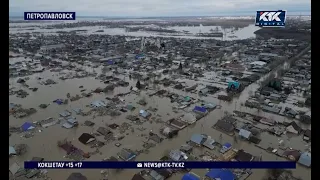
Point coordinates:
[(158, 7)]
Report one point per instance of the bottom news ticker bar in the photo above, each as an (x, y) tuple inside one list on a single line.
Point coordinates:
[(158, 164)]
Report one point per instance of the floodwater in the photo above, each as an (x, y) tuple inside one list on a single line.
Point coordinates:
[(229, 33), (44, 144)]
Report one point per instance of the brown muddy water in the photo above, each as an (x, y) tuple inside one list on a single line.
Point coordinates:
[(44, 144)]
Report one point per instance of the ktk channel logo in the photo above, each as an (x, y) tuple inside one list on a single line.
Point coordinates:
[(271, 18)]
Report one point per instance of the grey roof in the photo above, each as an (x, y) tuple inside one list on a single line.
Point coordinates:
[(209, 143), (104, 131), (244, 133), (126, 154), (12, 151), (186, 147), (270, 109), (65, 113), (197, 138), (72, 120), (47, 124), (176, 155), (77, 110), (189, 118), (145, 114), (67, 125), (269, 54), (14, 168), (204, 90), (210, 106), (156, 176), (305, 159), (98, 103)]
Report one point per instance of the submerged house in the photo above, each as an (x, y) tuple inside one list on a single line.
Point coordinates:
[(144, 114), (177, 123), (245, 134), (169, 132), (65, 113), (177, 155), (233, 86), (200, 110), (27, 126), (164, 172), (70, 123), (104, 131), (127, 155), (210, 106), (155, 175), (226, 147), (189, 118), (224, 126), (190, 176), (268, 121), (12, 151), (307, 135), (244, 156), (220, 174), (138, 177), (305, 159), (292, 155), (98, 103), (186, 148), (209, 143), (293, 128), (198, 139), (204, 91), (140, 56), (86, 138)]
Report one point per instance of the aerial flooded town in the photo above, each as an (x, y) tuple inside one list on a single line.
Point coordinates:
[(179, 89)]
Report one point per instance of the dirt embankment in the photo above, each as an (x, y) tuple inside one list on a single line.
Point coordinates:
[(283, 33)]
